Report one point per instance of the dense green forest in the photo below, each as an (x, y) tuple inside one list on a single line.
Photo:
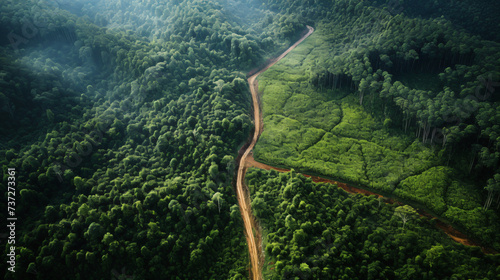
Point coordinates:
[(317, 231), (123, 120)]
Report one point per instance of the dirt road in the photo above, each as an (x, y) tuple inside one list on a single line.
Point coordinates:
[(453, 233), (252, 229)]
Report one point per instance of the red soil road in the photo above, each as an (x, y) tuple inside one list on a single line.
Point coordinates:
[(251, 162), (252, 229), (453, 233)]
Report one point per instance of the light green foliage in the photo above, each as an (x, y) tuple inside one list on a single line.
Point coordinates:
[(288, 137), (428, 188), (405, 213), (280, 93), (357, 149), (433, 255), (389, 116), (83, 210), (303, 108), (462, 195), (349, 144), (78, 181), (471, 219), (356, 122), (339, 155)]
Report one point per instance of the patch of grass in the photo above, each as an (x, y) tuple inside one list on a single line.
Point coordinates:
[(309, 111), (341, 156), (428, 188), (356, 122), (285, 137), (275, 94), (470, 217)]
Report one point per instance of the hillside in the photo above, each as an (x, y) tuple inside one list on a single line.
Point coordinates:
[(122, 121)]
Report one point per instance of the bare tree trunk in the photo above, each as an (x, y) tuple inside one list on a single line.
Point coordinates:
[(488, 200), (425, 133), (407, 121)]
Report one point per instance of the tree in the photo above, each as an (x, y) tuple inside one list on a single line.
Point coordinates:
[(235, 212), (299, 237), (108, 238), (228, 162), (176, 208), (94, 232), (386, 60), (259, 206), (192, 121), (83, 210), (213, 171), (217, 197), (78, 182), (493, 187), (305, 270), (405, 213), (173, 163), (51, 214), (363, 86), (433, 255)]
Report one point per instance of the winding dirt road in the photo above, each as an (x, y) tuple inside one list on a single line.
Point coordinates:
[(252, 229)]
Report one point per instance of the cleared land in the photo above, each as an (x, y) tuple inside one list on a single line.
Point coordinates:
[(327, 132)]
